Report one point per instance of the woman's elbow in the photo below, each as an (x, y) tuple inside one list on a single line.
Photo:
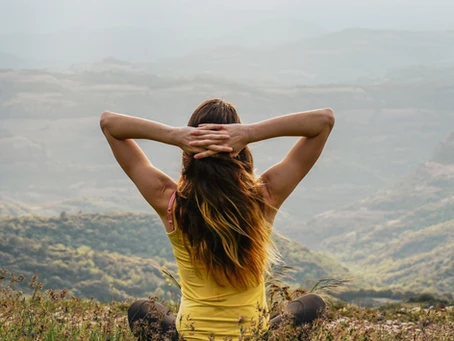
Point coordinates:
[(329, 117), (105, 118)]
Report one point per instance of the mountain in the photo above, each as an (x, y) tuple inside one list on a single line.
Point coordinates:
[(441, 74), (138, 44), (55, 158), (339, 57), (280, 49), (269, 32), (117, 254), (401, 237)]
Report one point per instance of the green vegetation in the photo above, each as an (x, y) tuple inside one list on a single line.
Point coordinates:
[(118, 255), (401, 238), (398, 241), (56, 315)]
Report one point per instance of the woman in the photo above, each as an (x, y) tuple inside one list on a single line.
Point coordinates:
[(218, 217)]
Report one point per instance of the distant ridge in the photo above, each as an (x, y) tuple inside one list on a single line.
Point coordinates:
[(304, 55), (335, 57)]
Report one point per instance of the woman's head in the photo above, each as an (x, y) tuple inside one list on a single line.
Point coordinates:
[(217, 111), (214, 110), (221, 209)]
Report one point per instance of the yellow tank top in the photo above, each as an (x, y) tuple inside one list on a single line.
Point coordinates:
[(207, 309)]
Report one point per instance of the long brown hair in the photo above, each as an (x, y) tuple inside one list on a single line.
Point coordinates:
[(221, 210)]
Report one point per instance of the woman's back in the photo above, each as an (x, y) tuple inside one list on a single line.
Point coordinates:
[(207, 308)]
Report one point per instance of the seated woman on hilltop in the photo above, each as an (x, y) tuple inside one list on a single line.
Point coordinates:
[(219, 215)]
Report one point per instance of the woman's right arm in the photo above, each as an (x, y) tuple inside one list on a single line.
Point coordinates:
[(314, 128), (307, 124), (281, 179)]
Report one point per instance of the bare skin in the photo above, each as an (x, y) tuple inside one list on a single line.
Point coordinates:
[(207, 140), (154, 185)]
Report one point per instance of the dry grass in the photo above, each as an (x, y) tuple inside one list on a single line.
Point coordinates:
[(55, 315)]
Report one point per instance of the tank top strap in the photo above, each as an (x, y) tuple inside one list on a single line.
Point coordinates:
[(169, 209)]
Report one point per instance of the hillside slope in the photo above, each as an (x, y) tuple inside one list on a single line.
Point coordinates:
[(402, 237), (117, 253)]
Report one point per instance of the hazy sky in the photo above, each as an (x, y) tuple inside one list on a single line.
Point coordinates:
[(53, 15)]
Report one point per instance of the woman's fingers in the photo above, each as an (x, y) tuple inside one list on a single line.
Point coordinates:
[(210, 133), (207, 142), (212, 145), (199, 143), (197, 150), (212, 150), (214, 136), (204, 154), (206, 130), (220, 148)]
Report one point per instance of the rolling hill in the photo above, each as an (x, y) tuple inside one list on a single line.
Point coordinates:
[(402, 237), (118, 254), (55, 159)]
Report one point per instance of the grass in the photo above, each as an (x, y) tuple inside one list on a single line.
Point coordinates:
[(56, 315)]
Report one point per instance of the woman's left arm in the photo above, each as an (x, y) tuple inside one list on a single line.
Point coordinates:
[(154, 185)]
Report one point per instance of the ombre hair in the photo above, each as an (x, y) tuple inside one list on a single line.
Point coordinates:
[(220, 209)]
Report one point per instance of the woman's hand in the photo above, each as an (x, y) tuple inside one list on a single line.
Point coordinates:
[(209, 144), (238, 137)]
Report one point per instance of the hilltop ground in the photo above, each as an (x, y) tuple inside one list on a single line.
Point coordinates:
[(52, 315)]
